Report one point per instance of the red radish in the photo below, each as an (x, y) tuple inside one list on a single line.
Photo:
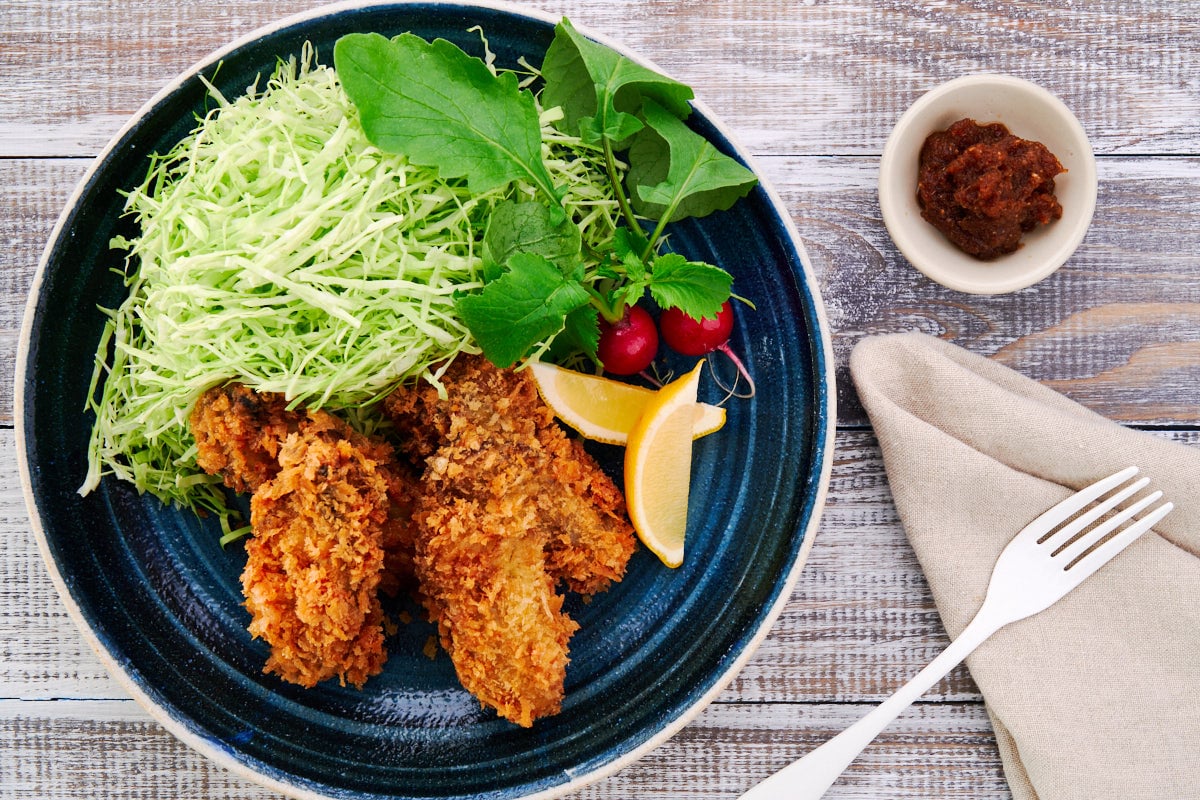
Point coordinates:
[(696, 337), (627, 347)]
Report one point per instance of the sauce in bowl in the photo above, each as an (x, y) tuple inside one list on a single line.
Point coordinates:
[(983, 187)]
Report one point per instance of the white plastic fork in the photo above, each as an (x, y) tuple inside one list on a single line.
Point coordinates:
[(1038, 567)]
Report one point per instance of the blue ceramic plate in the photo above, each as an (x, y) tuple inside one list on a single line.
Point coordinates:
[(160, 600)]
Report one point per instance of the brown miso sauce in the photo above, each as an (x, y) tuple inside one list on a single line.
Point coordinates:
[(984, 188)]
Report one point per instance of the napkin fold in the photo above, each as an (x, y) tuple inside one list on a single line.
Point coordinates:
[(1098, 696)]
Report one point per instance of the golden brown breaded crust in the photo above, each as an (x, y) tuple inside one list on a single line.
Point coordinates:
[(401, 486), (314, 563), (332, 525), (591, 539), (399, 530), (508, 507), (421, 420), (238, 433), (589, 536), (481, 557), (482, 569)]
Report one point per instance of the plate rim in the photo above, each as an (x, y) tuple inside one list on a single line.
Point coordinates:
[(823, 441)]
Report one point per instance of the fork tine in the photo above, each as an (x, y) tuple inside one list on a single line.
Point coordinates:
[(1105, 552), (1067, 508), (1072, 551), (1056, 539)]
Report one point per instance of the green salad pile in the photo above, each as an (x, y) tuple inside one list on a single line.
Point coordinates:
[(344, 229)]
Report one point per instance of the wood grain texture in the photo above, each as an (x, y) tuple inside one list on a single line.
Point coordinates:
[(112, 749), (1115, 328), (32, 195), (859, 623), (790, 77)]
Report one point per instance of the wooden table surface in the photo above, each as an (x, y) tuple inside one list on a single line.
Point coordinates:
[(812, 89)]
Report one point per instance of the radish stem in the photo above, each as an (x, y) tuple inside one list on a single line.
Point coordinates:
[(742, 372)]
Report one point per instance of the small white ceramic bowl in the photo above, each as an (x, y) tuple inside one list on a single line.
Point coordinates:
[(1029, 112)]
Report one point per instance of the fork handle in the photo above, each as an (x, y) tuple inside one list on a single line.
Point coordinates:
[(812, 775)]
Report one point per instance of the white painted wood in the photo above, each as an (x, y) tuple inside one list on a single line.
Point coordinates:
[(793, 77), (1117, 328), (860, 620), (112, 749), (859, 623)]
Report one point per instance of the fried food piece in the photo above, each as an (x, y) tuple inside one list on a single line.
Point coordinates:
[(399, 531), (331, 516), (483, 572), (239, 433), (314, 563), (589, 538), (508, 507)]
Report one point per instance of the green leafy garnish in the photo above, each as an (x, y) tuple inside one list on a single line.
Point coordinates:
[(672, 280), (277, 246), (600, 90), (580, 334), (442, 108), (524, 306), (528, 227), (335, 234), (701, 288), (679, 174)]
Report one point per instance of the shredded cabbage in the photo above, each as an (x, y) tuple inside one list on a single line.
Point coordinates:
[(279, 248)]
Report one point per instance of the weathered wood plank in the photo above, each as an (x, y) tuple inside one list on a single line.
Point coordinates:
[(1117, 328), (860, 621), (79, 749), (790, 78), (32, 195), (41, 653), (813, 89)]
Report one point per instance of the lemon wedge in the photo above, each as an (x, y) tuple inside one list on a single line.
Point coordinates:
[(605, 410), (658, 468)]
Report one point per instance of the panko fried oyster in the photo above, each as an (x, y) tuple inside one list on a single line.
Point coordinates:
[(504, 509)]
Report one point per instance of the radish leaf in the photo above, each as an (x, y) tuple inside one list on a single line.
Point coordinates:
[(528, 227), (442, 108), (677, 173), (600, 90), (696, 288), (523, 307), (580, 334)]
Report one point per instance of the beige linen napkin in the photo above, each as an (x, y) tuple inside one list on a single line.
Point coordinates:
[(1099, 696)]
